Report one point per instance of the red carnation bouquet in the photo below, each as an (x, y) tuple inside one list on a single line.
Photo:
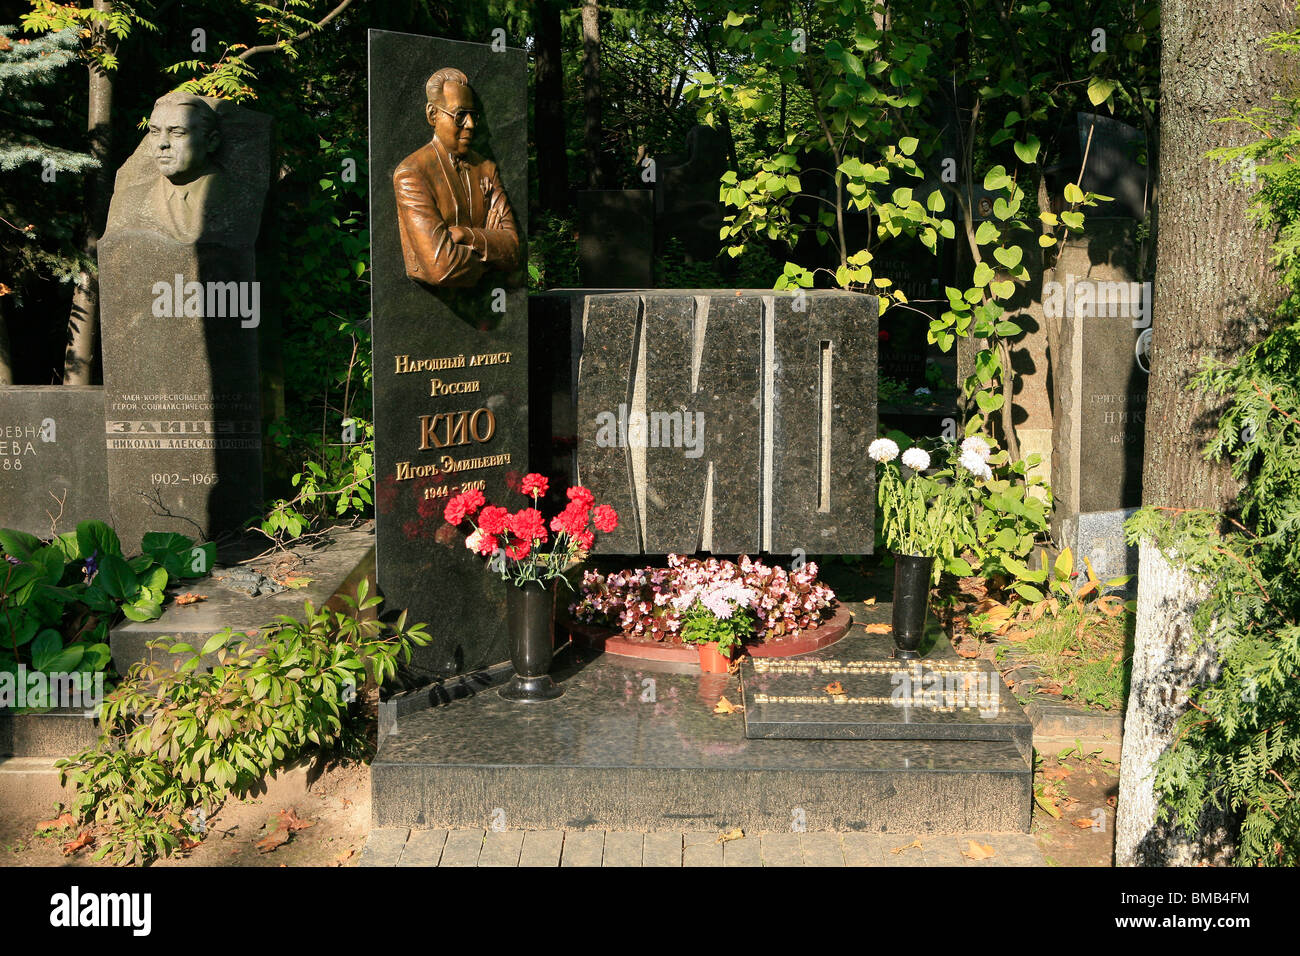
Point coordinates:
[(518, 544)]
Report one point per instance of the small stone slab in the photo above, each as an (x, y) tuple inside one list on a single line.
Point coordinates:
[(383, 846), (662, 849), (541, 848), (701, 849), (502, 848), (1009, 849), (872, 849), (781, 849), (743, 852), (464, 847), (623, 849), (822, 849), (424, 848), (583, 848)]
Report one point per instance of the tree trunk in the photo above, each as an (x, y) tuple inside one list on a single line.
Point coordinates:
[(6, 358), (1213, 283), (83, 321), (552, 160), (592, 134)]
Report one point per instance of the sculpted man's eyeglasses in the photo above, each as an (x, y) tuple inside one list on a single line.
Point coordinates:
[(460, 116)]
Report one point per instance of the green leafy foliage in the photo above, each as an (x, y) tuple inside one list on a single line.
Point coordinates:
[(177, 740), (59, 598)]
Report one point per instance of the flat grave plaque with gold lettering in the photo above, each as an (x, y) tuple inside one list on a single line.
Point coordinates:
[(859, 694)]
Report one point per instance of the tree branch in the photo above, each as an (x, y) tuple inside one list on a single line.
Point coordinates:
[(271, 47)]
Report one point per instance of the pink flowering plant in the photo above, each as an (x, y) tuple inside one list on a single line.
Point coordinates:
[(517, 543), (654, 603), (718, 612)]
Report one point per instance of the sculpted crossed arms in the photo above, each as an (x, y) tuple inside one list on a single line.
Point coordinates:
[(436, 249)]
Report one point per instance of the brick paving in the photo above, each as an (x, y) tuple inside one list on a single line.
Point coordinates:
[(401, 847)]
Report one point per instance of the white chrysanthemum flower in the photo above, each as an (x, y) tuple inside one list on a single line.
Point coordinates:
[(918, 459), (977, 466), (977, 446), (882, 450)]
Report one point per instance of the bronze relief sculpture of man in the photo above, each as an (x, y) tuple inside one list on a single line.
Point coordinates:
[(452, 211)]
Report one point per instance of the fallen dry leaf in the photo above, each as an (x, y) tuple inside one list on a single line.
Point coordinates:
[(83, 839), (280, 827), (979, 851), (1049, 688), (869, 601), (730, 835), (293, 581), (1084, 823), (914, 845), (1048, 806), (1057, 773), (968, 649), (187, 844), (190, 598), (725, 706), (4, 289), (277, 838), (1016, 636), (294, 822), (344, 857), (880, 627), (834, 688), (1111, 801), (58, 823)]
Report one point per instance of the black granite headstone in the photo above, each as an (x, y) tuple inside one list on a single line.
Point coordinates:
[(1112, 168), (687, 206), (51, 457), (450, 361), (730, 421), (616, 234), (180, 308)]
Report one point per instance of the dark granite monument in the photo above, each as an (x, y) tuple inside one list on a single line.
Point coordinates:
[(687, 206), (1113, 168), (616, 234), (180, 310), (51, 457), (730, 421), (448, 210)]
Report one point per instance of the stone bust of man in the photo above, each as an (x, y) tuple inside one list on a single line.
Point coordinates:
[(452, 212), (184, 135)]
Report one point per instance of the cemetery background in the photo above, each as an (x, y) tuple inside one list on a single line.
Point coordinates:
[(324, 335)]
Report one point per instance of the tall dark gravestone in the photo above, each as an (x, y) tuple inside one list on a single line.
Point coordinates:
[(730, 421), (180, 308), (616, 237), (448, 218)]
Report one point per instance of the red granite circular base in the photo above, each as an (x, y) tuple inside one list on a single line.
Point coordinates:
[(613, 642)]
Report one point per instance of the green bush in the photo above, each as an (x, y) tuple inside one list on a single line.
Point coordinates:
[(176, 741), (58, 599)]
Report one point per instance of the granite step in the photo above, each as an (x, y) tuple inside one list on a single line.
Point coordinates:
[(634, 745)]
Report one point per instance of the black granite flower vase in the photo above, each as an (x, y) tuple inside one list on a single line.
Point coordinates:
[(530, 616), (911, 599)]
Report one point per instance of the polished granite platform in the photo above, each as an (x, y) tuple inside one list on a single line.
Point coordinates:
[(637, 745)]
